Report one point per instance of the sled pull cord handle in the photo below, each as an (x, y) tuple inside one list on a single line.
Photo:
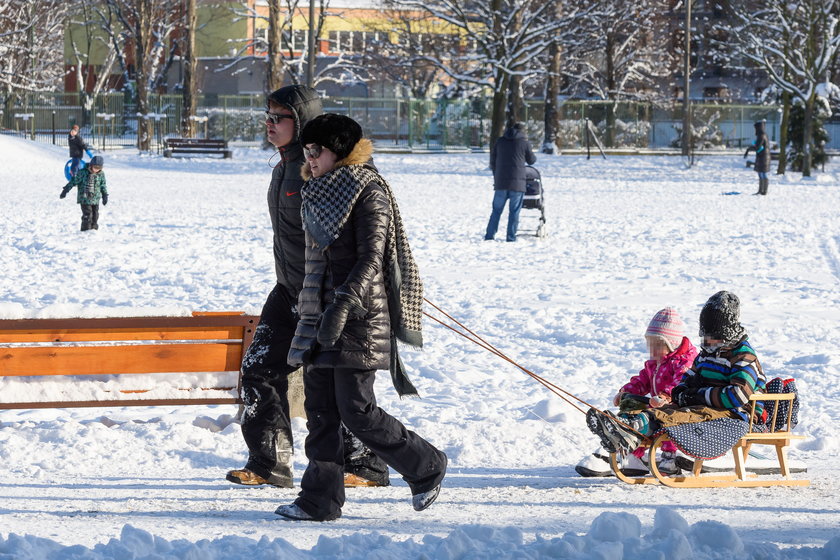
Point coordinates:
[(476, 339)]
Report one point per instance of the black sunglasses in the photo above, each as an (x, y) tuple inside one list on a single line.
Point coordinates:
[(314, 151), (275, 118)]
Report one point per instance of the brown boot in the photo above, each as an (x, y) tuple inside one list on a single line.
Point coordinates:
[(355, 481), (246, 478)]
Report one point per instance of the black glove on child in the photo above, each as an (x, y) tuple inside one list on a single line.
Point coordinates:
[(64, 192), (335, 317), (684, 397), (104, 199)]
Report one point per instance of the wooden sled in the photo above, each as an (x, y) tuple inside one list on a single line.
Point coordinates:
[(778, 438)]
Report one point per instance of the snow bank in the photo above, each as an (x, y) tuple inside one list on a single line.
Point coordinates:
[(612, 536)]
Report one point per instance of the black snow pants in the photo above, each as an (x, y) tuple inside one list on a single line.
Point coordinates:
[(340, 395), (90, 216), (266, 426)]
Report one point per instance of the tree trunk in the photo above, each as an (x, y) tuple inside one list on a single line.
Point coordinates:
[(552, 88), (808, 133), (500, 82), (497, 124), (190, 103), (142, 38), (515, 105), (783, 133), (274, 73), (609, 117)]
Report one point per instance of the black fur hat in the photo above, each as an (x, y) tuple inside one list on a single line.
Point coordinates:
[(721, 316), (338, 133)]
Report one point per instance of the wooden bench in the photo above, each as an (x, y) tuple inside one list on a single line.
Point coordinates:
[(193, 146), (778, 438), (118, 359)]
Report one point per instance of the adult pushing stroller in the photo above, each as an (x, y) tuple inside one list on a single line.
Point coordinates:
[(534, 198)]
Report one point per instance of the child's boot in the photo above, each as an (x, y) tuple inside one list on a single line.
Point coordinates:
[(667, 463)]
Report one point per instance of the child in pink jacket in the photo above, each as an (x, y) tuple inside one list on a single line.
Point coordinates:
[(671, 354)]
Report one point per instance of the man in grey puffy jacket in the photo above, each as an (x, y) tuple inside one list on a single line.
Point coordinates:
[(508, 160), (266, 425)]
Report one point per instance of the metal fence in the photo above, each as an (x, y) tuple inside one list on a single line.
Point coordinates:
[(415, 124)]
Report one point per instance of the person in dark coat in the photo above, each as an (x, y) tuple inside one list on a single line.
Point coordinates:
[(761, 145), (266, 425), (508, 160), (78, 148), (362, 292)]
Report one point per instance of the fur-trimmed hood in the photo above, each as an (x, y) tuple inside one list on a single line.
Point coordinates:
[(361, 154)]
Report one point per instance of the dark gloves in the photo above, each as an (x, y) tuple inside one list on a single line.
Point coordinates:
[(747, 152), (335, 317), (64, 192), (104, 199), (684, 396)]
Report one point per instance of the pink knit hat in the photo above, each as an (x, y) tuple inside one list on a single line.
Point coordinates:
[(668, 325)]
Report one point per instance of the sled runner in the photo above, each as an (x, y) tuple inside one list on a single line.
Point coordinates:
[(708, 440)]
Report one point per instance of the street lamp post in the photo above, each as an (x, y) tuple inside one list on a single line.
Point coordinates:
[(686, 140), (310, 63)]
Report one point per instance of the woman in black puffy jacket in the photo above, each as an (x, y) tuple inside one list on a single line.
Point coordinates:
[(361, 292)]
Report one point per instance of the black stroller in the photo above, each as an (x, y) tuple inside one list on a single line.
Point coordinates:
[(534, 198)]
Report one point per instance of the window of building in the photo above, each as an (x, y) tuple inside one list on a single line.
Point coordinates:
[(353, 41)]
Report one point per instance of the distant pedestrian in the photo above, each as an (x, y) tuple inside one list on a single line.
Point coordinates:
[(761, 145), (508, 160), (77, 148), (92, 189)]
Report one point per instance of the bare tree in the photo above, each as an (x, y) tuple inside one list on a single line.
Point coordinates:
[(141, 32), (795, 42), (84, 42), (189, 89), (616, 55), (286, 54), (29, 61), (503, 38), (400, 50)]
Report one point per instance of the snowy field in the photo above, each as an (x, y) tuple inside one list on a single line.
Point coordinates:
[(628, 236)]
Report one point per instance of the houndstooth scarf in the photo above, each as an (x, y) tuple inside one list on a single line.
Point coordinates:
[(327, 203)]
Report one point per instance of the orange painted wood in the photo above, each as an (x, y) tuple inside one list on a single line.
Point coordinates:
[(114, 402), (142, 358), (91, 335), (209, 326)]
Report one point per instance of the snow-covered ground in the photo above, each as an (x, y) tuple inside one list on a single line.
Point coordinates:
[(628, 236)]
